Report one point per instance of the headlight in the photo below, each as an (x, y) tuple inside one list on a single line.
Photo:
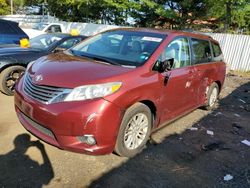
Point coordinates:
[(92, 91), (29, 65)]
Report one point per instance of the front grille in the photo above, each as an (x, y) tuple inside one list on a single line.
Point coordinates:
[(38, 127), (43, 94)]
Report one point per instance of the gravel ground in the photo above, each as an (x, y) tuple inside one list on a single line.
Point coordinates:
[(177, 155)]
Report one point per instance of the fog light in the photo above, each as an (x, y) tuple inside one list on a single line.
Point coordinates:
[(87, 139)]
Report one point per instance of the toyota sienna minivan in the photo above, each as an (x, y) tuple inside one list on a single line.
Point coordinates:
[(111, 91)]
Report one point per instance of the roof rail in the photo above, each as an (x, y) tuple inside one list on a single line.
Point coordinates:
[(196, 32)]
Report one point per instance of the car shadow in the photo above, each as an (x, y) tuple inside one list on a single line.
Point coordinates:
[(197, 157), (18, 170)]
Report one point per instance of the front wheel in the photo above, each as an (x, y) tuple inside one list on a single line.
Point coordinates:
[(134, 130), (8, 78)]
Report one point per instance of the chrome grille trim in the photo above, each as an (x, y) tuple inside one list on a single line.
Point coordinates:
[(43, 94)]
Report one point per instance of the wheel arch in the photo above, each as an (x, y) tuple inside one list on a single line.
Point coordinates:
[(150, 104), (6, 64), (219, 85)]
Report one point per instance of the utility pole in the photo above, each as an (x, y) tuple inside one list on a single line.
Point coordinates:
[(11, 7), (87, 11)]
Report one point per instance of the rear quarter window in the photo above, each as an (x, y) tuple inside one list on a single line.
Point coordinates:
[(201, 51), (217, 53)]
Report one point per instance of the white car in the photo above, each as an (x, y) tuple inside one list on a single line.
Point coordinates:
[(43, 28)]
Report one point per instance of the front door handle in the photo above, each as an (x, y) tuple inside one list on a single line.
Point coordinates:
[(166, 78)]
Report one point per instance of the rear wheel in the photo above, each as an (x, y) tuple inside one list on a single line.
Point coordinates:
[(212, 96), (8, 78), (134, 130)]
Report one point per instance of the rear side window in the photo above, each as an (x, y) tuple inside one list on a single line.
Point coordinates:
[(201, 51), (217, 52)]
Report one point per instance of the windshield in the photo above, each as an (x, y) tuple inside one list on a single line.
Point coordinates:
[(120, 47), (44, 41)]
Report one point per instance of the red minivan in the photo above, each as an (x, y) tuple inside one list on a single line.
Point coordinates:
[(111, 91)]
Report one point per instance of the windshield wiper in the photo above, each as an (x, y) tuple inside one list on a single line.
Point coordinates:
[(100, 59), (109, 61), (105, 60)]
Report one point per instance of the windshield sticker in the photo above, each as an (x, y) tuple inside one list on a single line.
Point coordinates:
[(153, 39)]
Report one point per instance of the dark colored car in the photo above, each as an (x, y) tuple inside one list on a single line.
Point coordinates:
[(11, 33), (111, 91), (13, 60)]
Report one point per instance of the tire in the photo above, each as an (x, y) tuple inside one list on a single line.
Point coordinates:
[(8, 78), (136, 138), (212, 96)]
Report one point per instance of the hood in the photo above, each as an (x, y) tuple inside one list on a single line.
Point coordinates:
[(17, 50), (62, 70)]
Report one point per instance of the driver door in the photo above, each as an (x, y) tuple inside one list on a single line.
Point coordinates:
[(178, 88)]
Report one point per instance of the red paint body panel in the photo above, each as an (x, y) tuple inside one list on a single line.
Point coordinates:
[(185, 91), (84, 71), (68, 120)]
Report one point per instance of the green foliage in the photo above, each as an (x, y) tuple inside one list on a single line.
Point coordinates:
[(18, 3), (241, 18), (4, 7), (30, 2), (232, 15), (226, 15), (144, 13), (73, 10), (110, 11), (176, 13)]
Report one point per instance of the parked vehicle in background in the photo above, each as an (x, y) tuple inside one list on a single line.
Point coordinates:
[(111, 91), (43, 28), (11, 33), (13, 60)]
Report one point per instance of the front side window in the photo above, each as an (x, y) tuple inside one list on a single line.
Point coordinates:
[(121, 47), (178, 51), (201, 51)]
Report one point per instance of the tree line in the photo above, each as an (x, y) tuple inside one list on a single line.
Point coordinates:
[(218, 16)]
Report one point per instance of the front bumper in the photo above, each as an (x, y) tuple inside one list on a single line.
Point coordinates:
[(62, 123)]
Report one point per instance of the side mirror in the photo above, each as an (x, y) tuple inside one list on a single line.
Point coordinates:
[(57, 50), (166, 65)]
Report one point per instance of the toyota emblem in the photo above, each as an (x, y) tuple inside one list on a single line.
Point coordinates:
[(39, 78)]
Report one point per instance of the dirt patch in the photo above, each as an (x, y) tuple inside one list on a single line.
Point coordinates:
[(181, 154), (3, 129)]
